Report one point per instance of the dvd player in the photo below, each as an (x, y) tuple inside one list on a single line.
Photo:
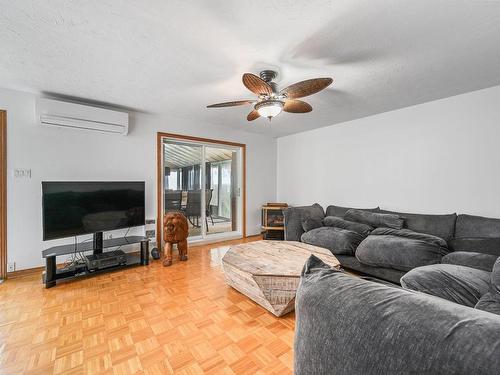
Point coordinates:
[(105, 260)]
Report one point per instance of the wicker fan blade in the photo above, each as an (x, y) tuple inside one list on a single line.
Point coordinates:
[(256, 85), (253, 115), (231, 104), (297, 106), (307, 87)]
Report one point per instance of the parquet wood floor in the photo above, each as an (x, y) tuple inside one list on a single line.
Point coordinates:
[(182, 319)]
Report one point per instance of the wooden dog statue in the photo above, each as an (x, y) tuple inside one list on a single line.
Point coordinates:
[(175, 231)]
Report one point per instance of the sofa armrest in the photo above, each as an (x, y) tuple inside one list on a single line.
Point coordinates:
[(346, 325), (479, 261)]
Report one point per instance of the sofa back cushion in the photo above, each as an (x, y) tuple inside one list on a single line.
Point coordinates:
[(478, 234), (476, 245), (374, 219), (341, 211), (337, 222), (295, 216), (438, 225), (477, 226)]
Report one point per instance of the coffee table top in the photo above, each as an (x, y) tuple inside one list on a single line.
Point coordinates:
[(280, 258)]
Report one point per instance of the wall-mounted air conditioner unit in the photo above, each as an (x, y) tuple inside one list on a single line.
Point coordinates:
[(83, 117)]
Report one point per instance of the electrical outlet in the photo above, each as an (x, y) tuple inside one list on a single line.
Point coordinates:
[(11, 267), (150, 233), (22, 173)]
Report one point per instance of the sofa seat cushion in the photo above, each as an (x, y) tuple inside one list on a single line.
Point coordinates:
[(337, 240), (491, 301), (442, 226), (295, 216), (337, 222), (374, 219), (400, 249), (463, 285), (479, 261)]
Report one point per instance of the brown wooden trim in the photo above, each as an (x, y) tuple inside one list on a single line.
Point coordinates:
[(159, 155), (198, 139), (3, 194), (26, 272), (244, 179), (159, 220)]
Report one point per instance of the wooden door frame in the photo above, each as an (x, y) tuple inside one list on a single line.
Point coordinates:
[(3, 194), (159, 175)]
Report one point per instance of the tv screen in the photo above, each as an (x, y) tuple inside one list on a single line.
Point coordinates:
[(76, 208)]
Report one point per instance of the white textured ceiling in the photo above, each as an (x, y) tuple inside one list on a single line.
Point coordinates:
[(177, 56)]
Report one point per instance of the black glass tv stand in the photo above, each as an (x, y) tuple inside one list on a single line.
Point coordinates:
[(52, 273)]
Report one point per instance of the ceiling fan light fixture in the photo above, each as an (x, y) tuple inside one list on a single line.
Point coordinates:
[(269, 108)]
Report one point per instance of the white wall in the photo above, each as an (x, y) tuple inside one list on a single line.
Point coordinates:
[(438, 157), (62, 154)]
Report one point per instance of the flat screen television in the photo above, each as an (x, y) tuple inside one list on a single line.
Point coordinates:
[(84, 207)]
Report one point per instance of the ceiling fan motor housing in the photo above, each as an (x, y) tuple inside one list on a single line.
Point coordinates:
[(268, 75)]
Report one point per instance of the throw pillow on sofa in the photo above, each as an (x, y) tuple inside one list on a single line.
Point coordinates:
[(459, 284), (340, 211), (442, 226), (311, 223), (338, 241), (295, 216), (471, 259), (337, 222), (374, 219), (400, 249), (407, 233), (491, 301)]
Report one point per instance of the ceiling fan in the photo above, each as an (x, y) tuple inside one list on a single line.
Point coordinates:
[(270, 101)]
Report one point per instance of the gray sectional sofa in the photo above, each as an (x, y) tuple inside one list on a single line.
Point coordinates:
[(395, 242), (347, 325), (445, 319)]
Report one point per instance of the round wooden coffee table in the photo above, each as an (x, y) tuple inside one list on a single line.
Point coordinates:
[(268, 272)]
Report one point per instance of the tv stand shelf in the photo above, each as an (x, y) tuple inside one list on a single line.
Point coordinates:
[(52, 274)]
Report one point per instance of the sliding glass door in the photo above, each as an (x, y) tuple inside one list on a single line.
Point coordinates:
[(203, 180), (182, 182), (223, 186)]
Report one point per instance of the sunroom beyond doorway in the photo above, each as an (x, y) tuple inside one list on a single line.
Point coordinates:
[(203, 179)]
